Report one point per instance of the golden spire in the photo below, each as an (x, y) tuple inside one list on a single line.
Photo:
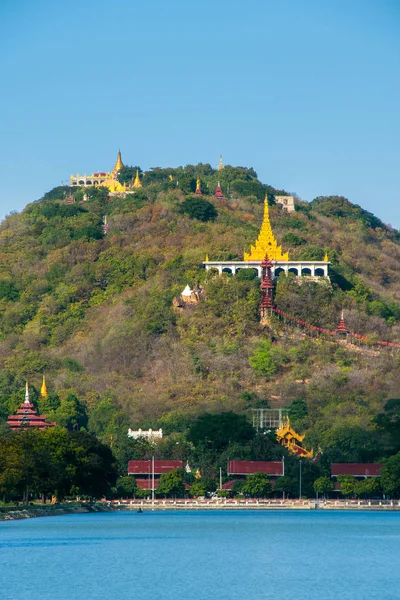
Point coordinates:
[(43, 389), (266, 241), (207, 259), (118, 165), (198, 188), (326, 258), (220, 166), (137, 183)]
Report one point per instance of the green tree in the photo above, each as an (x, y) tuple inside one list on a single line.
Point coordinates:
[(198, 208), (172, 483), (287, 485), (324, 485), (390, 476), (217, 431), (257, 485), (266, 359), (198, 488), (348, 485), (125, 487)]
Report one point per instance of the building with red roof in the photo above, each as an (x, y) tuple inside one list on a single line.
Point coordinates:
[(356, 469), (27, 416), (147, 473)]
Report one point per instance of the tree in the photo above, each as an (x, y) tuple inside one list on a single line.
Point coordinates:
[(389, 421), (266, 359), (217, 431), (198, 488), (324, 485), (71, 414), (172, 483), (125, 487), (257, 485), (200, 209), (368, 487), (287, 485), (96, 469), (390, 476), (348, 484)]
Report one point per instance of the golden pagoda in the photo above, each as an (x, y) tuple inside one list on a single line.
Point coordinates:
[(266, 242), (137, 183), (220, 166), (43, 389), (118, 165), (289, 438)]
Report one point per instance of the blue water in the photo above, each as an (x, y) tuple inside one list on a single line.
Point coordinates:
[(202, 555)]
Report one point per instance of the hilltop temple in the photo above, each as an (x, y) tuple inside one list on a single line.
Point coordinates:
[(107, 179), (267, 243), (27, 416)]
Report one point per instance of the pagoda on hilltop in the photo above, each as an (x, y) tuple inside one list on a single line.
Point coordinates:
[(27, 416), (108, 179), (290, 439), (198, 187), (266, 242)]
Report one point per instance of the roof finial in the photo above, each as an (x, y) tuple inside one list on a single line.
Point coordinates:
[(43, 389), (27, 399), (220, 166)]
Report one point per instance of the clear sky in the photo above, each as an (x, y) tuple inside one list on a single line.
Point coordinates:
[(305, 91)]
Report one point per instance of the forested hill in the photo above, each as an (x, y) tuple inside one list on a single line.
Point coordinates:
[(94, 311)]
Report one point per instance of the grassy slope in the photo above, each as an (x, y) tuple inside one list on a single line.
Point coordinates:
[(96, 314)]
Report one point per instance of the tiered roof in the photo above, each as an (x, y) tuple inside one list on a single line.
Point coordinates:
[(266, 242), (27, 416)]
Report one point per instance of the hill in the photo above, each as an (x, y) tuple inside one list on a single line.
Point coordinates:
[(94, 311)]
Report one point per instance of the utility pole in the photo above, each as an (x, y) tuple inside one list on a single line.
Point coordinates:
[(300, 481), (152, 478)]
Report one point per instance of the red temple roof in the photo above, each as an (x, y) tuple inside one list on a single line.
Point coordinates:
[(357, 469), (341, 328), (144, 467), (218, 192), (248, 467), (27, 417)]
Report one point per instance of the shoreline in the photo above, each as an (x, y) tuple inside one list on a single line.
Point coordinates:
[(31, 512), (16, 513)]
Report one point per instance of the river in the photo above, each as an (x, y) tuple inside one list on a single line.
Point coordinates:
[(297, 555)]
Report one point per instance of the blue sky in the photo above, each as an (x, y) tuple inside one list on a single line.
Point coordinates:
[(306, 92)]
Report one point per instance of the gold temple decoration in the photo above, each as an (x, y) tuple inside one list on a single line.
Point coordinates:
[(266, 242), (137, 183), (43, 389), (118, 165), (289, 438), (220, 166)]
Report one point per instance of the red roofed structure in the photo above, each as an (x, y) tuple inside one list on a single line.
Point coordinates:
[(144, 467), (248, 467), (218, 192), (356, 469), (27, 416)]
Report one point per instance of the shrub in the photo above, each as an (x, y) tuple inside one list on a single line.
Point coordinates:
[(200, 209)]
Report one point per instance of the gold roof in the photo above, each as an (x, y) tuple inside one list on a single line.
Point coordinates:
[(266, 242)]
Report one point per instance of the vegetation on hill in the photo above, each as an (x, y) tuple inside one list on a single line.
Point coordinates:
[(94, 312)]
